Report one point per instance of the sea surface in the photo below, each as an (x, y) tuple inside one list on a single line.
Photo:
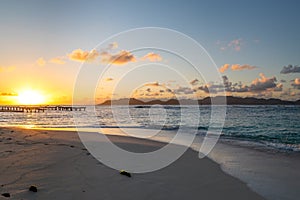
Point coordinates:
[(277, 127)]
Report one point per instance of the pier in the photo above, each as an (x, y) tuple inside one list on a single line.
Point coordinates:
[(40, 108)]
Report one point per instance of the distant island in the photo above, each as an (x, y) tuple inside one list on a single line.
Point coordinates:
[(230, 100)]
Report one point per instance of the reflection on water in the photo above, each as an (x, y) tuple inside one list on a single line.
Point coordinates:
[(272, 125)]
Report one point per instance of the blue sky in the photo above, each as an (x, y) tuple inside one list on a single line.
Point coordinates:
[(264, 34)]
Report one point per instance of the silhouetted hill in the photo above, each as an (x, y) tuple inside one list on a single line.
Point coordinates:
[(255, 101), (230, 100), (131, 101)]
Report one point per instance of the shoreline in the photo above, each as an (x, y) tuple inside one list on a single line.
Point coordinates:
[(27, 161), (263, 146)]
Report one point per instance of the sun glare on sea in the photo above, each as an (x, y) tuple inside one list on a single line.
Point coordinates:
[(30, 97)]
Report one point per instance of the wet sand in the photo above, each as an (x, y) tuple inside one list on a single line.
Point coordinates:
[(61, 168)]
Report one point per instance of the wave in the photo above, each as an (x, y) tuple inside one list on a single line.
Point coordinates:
[(286, 147), (165, 107), (262, 141), (267, 141)]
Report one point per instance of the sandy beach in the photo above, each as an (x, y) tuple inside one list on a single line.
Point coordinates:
[(61, 168)]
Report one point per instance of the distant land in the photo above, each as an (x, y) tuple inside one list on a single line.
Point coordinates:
[(218, 100)]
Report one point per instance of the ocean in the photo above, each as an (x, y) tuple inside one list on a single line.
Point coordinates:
[(277, 127)]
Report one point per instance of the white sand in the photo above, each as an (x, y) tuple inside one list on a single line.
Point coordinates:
[(272, 173), (58, 164)]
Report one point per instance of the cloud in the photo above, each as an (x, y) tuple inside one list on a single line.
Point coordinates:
[(278, 88), (154, 84), (205, 89), (89, 56), (262, 83), (106, 56), (121, 58), (81, 56), (8, 94), (153, 57), (286, 93), (155, 89), (113, 45), (224, 68), (235, 45), (290, 69), (150, 94), (7, 69), (229, 87), (183, 90), (153, 94), (109, 79), (296, 83), (236, 67), (58, 60), (211, 88), (169, 90), (194, 82), (41, 62)]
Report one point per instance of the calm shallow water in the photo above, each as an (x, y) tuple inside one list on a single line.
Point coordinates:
[(275, 126)]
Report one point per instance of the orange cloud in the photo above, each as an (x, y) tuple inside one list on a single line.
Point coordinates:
[(279, 87), (224, 68), (121, 58), (262, 79), (238, 67), (41, 62), (81, 56), (58, 60), (154, 84), (296, 83), (109, 79), (153, 57), (153, 90), (263, 83)]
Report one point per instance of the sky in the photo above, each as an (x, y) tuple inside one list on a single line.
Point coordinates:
[(51, 50)]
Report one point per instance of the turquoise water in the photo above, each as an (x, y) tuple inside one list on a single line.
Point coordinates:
[(276, 126)]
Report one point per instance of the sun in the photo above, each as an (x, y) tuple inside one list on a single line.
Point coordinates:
[(30, 97)]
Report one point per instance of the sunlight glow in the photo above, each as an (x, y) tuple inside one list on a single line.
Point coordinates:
[(30, 97)]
